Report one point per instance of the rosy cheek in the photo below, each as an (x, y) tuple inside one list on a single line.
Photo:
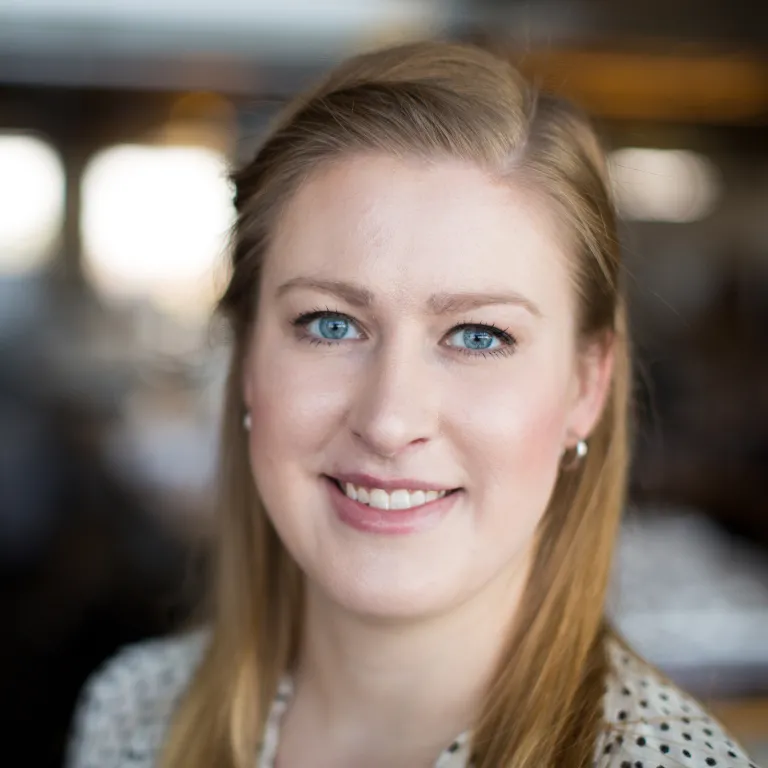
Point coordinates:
[(512, 434), (295, 404), (520, 443), (541, 438)]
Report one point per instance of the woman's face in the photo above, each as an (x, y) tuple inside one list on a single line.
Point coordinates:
[(415, 335)]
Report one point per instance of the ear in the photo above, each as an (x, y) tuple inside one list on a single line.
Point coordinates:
[(593, 373)]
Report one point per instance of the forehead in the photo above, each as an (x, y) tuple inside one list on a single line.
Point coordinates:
[(411, 226)]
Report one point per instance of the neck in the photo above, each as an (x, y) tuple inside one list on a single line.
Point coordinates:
[(409, 682)]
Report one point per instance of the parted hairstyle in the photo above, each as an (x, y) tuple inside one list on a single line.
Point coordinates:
[(427, 100)]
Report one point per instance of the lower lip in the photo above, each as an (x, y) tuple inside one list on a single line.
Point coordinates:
[(388, 521)]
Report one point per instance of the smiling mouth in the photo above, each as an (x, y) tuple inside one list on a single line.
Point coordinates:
[(397, 499)]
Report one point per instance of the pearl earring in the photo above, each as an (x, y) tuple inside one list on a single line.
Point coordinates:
[(247, 422), (580, 450)]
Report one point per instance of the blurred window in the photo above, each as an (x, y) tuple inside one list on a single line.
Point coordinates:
[(663, 184), (31, 202), (155, 225)]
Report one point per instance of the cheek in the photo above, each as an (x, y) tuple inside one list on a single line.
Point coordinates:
[(513, 435), (521, 441), (293, 413)]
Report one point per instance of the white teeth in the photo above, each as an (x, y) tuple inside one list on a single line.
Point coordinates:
[(379, 499), (400, 499), (417, 498)]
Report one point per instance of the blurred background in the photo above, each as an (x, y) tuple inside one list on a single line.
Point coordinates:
[(118, 122)]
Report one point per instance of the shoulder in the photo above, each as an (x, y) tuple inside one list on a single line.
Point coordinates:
[(651, 722), (125, 707)]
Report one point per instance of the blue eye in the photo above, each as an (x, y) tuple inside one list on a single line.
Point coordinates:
[(476, 338), (331, 327), (328, 326), (480, 339), (471, 339)]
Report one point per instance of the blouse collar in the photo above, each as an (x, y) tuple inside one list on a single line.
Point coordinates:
[(455, 756)]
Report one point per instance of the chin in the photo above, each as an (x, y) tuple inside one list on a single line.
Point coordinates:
[(386, 593)]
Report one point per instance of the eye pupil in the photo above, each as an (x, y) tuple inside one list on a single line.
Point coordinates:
[(477, 339), (333, 327)]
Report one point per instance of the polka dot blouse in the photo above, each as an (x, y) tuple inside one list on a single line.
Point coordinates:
[(126, 707)]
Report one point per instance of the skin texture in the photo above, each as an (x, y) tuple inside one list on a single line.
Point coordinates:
[(402, 396)]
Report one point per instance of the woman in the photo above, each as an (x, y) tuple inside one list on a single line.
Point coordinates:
[(424, 453)]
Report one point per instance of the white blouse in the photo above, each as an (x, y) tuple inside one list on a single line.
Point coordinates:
[(126, 707)]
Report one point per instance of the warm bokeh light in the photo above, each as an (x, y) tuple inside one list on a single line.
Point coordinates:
[(31, 202), (663, 184), (155, 224), (687, 85)]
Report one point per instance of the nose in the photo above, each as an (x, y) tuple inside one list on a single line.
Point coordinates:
[(396, 403)]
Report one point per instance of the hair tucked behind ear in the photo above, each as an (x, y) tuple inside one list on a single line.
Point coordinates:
[(427, 100)]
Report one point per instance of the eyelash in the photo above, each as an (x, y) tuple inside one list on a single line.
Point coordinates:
[(509, 342)]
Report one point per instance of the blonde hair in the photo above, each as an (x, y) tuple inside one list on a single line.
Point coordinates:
[(429, 100)]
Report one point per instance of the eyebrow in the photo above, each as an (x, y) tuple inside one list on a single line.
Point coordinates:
[(446, 303), (439, 303), (353, 294)]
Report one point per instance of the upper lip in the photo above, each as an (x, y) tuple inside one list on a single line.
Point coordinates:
[(392, 484)]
